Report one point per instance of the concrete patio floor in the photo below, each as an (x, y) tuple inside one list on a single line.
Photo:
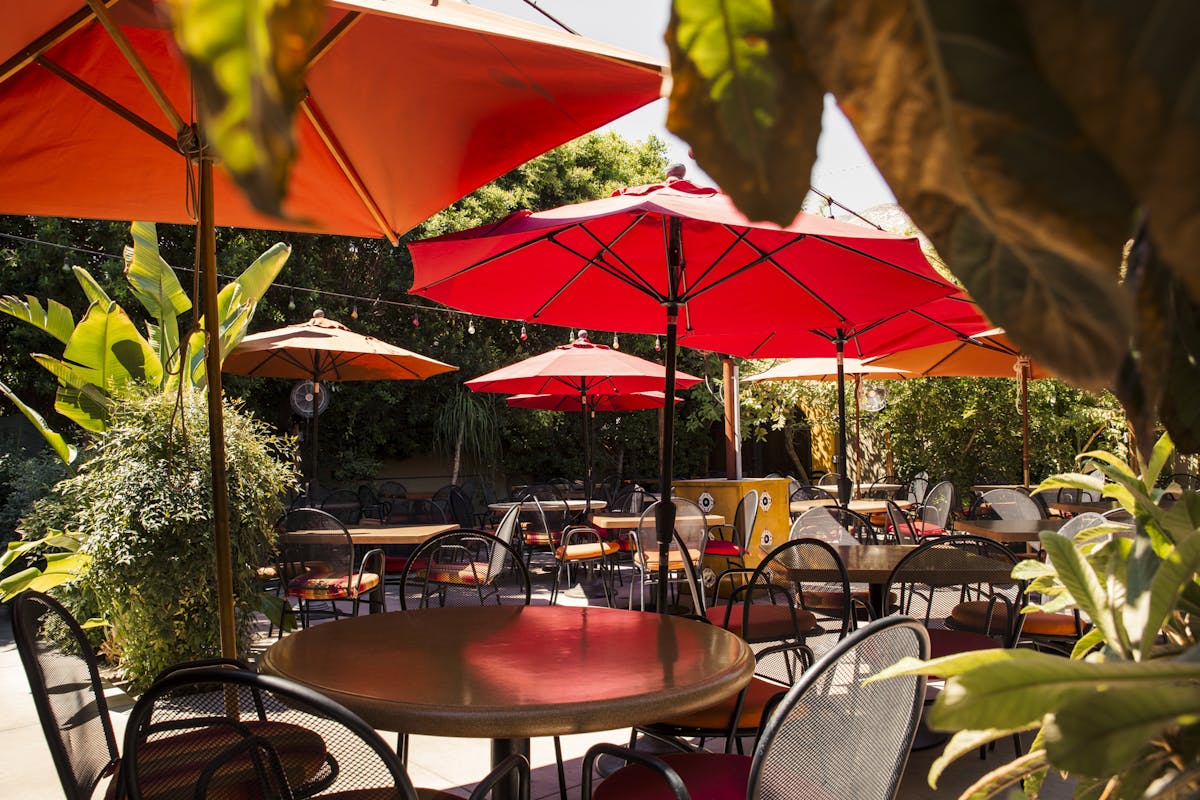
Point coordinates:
[(26, 769)]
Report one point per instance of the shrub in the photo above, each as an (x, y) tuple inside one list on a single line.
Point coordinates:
[(142, 503)]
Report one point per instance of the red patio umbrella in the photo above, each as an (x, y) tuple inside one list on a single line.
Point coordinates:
[(635, 401), (408, 105), (582, 372), (324, 350), (651, 258)]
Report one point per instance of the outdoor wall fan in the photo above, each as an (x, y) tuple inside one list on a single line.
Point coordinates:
[(304, 398)]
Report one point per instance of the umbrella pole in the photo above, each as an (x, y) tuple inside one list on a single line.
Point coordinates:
[(857, 431), (664, 515), (312, 479), (843, 478), (1025, 420), (216, 419), (587, 456)]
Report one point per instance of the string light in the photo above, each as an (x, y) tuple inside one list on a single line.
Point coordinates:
[(291, 302), (657, 345), (470, 325), (416, 322), (354, 312), (616, 343), (67, 264), (524, 334)]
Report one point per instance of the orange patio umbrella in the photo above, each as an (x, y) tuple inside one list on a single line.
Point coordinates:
[(323, 350), (408, 105), (990, 354)]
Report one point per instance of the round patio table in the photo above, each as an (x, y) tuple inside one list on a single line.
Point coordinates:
[(512, 672)]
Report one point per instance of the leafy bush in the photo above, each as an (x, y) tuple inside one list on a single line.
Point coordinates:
[(23, 480), (142, 504)]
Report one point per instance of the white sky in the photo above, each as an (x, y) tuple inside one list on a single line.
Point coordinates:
[(843, 168)]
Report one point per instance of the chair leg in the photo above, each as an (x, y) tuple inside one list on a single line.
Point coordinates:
[(562, 773)]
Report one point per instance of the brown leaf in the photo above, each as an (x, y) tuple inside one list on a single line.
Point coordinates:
[(744, 99)]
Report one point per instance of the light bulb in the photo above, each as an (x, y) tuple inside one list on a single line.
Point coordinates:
[(291, 302), (657, 346), (524, 334), (471, 326), (416, 322), (616, 343), (66, 264), (354, 312)]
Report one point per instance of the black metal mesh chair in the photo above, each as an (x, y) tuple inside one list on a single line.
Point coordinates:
[(583, 547), (317, 564), (828, 524), (465, 567), (391, 490), (543, 520), (962, 590), (462, 511), (415, 511), (899, 529), (834, 735), (689, 542), (65, 683), (631, 499), (933, 515), (801, 493), (1006, 504), (730, 541), (798, 593), (856, 524), (343, 504), (370, 505), (230, 733)]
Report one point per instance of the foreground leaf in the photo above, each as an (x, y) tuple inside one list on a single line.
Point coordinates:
[(55, 319), (66, 451)]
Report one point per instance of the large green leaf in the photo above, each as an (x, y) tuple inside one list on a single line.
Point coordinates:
[(85, 404), (64, 449), (967, 742), (1101, 735), (91, 288), (1174, 573), (110, 352), (1007, 695), (247, 62), (156, 287), (55, 319), (60, 568), (746, 101), (1085, 587)]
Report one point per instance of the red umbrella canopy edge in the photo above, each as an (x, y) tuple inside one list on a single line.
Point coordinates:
[(580, 368), (633, 401)]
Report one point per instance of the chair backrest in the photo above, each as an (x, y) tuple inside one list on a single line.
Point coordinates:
[(462, 511), (541, 491), (932, 580), (801, 575), (343, 504), (1011, 504), (917, 488), (222, 732), (745, 517), (819, 523), (369, 504), (939, 502), (442, 496), (829, 479), (629, 499), (899, 527), (856, 524), (392, 490), (691, 531), (811, 493), (465, 567), (67, 692), (538, 516), (835, 735), (315, 542), (1089, 496), (415, 511)]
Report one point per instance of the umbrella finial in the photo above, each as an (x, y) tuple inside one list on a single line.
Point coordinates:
[(318, 313), (676, 170), (582, 336)]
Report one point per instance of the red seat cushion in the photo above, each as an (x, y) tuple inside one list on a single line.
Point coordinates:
[(767, 622), (945, 642), (723, 549), (394, 565), (924, 529), (711, 776)]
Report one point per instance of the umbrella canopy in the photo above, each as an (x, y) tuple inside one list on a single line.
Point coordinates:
[(652, 258), (581, 373), (324, 350), (990, 354), (408, 106), (635, 401)]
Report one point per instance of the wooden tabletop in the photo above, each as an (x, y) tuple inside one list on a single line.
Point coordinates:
[(1083, 508), (873, 563), (860, 506), (554, 505), (987, 487), (397, 534), (627, 522), (515, 671), (1008, 531)]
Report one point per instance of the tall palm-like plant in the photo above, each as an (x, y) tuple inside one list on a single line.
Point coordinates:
[(468, 428)]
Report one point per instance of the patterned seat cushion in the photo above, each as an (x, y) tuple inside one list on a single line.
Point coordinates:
[(543, 539), (467, 573), (584, 550), (332, 587)]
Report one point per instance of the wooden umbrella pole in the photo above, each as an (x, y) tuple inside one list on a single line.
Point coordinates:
[(1024, 364), (216, 419)]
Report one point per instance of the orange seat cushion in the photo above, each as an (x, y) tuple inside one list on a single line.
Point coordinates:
[(584, 550), (462, 572), (768, 622), (716, 717), (329, 587), (972, 616)]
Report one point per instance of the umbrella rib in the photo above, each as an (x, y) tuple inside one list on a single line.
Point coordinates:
[(333, 147), (738, 239), (629, 276), (547, 236), (843, 246), (336, 32), (134, 119)]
